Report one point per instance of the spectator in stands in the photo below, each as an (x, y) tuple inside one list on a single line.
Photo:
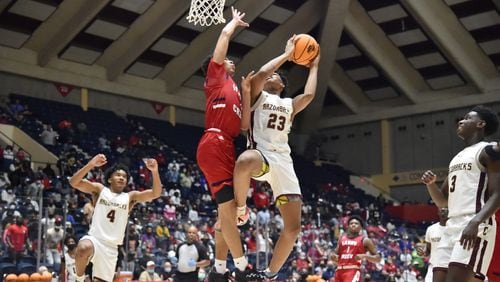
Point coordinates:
[(8, 158), (191, 256), (49, 172), (149, 273), (68, 269), (53, 239), (49, 136), (16, 108), (16, 237), (168, 272), (148, 240), (163, 235), (8, 196)]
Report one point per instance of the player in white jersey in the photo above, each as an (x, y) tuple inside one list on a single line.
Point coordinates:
[(69, 269), (472, 194), (110, 217), (433, 236), (268, 155)]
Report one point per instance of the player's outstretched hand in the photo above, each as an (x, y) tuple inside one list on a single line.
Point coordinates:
[(151, 164), (238, 17), (314, 62), (290, 47), (469, 235), (98, 160), (428, 177), (245, 81)]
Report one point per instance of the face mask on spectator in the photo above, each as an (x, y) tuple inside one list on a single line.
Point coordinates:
[(151, 271), (201, 276), (71, 246), (167, 269)]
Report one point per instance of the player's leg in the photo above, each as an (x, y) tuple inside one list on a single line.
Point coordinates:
[(290, 207), (439, 274), (250, 164), (218, 272), (458, 273), (83, 253)]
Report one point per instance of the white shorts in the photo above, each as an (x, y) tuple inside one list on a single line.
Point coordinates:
[(281, 175), (428, 276), (103, 259), (450, 252)]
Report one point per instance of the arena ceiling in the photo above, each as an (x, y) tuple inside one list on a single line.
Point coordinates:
[(380, 58)]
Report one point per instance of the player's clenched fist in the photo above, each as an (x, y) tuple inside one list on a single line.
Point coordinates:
[(428, 177)]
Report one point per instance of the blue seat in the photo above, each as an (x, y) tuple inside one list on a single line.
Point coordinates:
[(28, 259), (25, 267), (8, 267)]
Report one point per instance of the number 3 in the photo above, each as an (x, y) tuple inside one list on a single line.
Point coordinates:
[(453, 180)]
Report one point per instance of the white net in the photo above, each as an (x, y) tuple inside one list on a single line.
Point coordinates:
[(206, 12)]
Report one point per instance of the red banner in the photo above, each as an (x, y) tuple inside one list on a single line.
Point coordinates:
[(414, 213), (64, 89), (158, 107)]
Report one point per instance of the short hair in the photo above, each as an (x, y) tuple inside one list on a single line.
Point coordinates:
[(358, 218), (69, 237), (204, 64), (285, 83), (489, 116), (116, 167)]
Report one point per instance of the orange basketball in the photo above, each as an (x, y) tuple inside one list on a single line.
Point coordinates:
[(36, 277), (306, 49), (46, 276), (11, 278), (23, 277)]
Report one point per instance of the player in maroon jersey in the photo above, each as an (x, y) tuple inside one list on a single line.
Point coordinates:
[(351, 249), (216, 153)]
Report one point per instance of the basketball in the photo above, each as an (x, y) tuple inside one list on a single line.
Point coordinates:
[(23, 277), (36, 277), (46, 276), (11, 278), (306, 49)]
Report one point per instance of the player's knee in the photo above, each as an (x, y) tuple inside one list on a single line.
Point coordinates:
[(247, 160), (84, 249)]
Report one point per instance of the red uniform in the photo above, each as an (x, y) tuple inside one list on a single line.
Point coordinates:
[(348, 268), (494, 270), (216, 154)]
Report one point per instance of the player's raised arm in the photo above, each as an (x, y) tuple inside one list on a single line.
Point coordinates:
[(438, 195), (222, 45), (301, 101), (269, 68), (78, 180), (150, 194)]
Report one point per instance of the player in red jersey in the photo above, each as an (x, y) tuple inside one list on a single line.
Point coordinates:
[(216, 153), (351, 249)]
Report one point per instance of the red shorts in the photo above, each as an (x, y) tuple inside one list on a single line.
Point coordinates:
[(216, 157), (347, 275)]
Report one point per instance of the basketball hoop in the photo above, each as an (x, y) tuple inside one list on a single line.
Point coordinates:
[(206, 12)]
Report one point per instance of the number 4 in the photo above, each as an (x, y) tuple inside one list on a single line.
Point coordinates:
[(111, 215)]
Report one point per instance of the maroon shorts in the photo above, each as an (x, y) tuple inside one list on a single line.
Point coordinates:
[(345, 275), (216, 157)]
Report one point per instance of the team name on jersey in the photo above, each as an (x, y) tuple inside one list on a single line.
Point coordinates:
[(435, 239), (346, 256), (271, 107), (461, 166), (111, 204), (349, 243)]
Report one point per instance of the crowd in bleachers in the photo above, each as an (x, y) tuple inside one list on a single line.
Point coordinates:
[(157, 228)]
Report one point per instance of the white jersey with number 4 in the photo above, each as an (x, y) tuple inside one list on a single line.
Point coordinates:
[(110, 217), (271, 120), (467, 182)]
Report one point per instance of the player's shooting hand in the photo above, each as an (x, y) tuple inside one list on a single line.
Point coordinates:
[(290, 47), (245, 81), (98, 160), (315, 62), (151, 164), (238, 17), (469, 235), (428, 177)]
